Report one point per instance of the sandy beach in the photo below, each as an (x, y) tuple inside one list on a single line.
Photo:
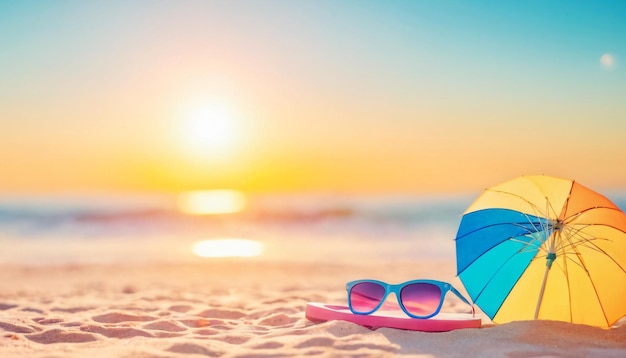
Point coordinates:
[(182, 178), (246, 308)]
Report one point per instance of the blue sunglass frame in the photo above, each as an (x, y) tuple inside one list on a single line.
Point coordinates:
[(397, 288)]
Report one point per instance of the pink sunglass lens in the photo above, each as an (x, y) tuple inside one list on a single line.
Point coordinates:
[(365, 296), (421, 299)]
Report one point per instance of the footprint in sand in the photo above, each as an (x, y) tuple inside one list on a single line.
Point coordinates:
[(15, 328), (71, 324), (221, 313), (71, 310), (339, 328), (116, 332), (207, 332), (60, 336), (118, 317), (167, 326), (361, 345), (46, 321), (265, 312), (279, 319), (269, 345), (180, 308), (30, 309), (316, 342), (190, 348), (233, 339), (202, 322)]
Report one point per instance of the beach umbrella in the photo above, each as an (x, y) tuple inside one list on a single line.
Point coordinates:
[(540, 247)]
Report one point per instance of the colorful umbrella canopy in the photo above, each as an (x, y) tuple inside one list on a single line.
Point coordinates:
[(540, 247)]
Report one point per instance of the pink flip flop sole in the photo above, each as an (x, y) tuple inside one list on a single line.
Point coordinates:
[(393, 319)]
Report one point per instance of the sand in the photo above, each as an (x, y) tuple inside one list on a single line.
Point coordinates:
[(246, 308)]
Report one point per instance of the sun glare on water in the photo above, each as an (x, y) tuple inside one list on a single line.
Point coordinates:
[(228, 248), (211, 202)]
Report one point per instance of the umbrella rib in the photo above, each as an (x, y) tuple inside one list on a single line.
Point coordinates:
[(595, 224), (563, 250), (566, 203), (548, 203), (583, 267), (588, 243), (581, 240), (552, 207), (528, 232), (574, 262), (533, 206), (540, 226), (577, 214), (600, 250), (520, 225), (569, 287), (527, 244), (574, 229), (595, 290), (547, 200), (537, 225), (516, 224), (495, 272)]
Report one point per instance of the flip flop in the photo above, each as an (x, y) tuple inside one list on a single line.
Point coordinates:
[(442, 322)]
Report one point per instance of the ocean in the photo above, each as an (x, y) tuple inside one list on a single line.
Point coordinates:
[(303, 227)]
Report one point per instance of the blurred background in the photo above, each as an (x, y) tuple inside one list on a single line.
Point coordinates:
[(305, 130)]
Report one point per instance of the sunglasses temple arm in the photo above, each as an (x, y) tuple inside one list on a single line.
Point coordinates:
[(459, 295)]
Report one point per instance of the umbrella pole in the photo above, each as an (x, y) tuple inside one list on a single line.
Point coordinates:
[(549, 260)]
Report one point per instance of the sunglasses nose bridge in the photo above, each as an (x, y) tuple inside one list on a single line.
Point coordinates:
[(391, 302)]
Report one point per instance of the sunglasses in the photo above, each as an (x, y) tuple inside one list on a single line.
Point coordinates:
[(417, 298)]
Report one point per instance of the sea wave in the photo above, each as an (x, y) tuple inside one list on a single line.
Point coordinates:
[(368, 216), (100, 216)]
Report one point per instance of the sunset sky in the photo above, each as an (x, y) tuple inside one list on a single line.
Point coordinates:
[(330, 96)]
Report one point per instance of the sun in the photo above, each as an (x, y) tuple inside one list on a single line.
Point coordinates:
[(210, 130)]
